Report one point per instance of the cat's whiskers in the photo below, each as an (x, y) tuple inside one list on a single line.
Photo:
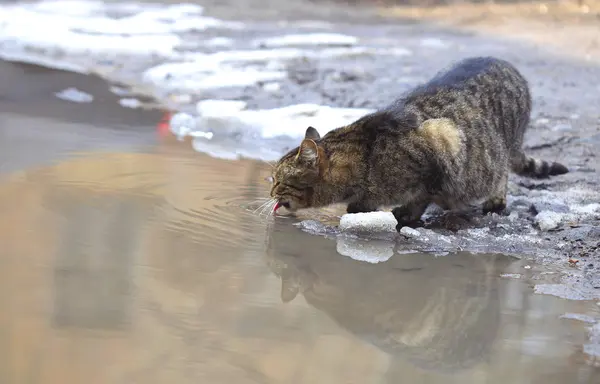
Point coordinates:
[(262, 199), (262, 206), (268, 206)]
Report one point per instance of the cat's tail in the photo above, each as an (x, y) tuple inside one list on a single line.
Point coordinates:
[(523, 165)]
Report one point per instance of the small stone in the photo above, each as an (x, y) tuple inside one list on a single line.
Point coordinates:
[(527, 267), (514, 215), (547, 220), (541, 206), (410, 232)]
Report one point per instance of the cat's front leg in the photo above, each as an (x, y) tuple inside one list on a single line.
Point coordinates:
[(410, 214), (361, 206)]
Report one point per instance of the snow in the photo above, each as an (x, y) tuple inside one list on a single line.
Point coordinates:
[(229, 118), (74, 95), (68, 28), (579, 317), (201, 72), (130, 102), (310, 39)]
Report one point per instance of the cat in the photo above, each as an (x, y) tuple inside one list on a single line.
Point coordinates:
[(451, 141)]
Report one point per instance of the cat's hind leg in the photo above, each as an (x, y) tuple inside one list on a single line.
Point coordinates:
[(496, 202)]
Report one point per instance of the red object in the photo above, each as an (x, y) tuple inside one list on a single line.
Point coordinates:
[(163, 125), (276, 207)]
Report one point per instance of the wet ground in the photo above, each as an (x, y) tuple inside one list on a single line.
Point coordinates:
[(139, 260), (129, 257)]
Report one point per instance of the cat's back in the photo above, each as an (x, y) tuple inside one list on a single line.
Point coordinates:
[(475, 74)]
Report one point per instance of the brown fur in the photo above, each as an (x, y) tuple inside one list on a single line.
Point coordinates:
[(451, 141)]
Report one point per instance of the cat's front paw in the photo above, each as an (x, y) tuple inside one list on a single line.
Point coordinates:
[(409, 223), (407, 218)]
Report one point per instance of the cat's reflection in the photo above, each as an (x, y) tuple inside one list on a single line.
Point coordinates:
[(439, 313)]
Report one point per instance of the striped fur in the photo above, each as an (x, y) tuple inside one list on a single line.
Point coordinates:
[(451, 141)]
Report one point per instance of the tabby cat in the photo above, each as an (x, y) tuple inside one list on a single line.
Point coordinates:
[(450, 141)]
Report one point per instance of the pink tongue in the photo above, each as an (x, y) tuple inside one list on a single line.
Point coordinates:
[(276, 207)]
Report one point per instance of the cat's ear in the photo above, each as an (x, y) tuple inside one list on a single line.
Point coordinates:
[(308, 152), (312, 134), (289, 289)]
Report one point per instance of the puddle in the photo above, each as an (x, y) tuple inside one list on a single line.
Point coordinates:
[(150, 267)]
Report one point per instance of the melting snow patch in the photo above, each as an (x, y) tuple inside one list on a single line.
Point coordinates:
[(433, 43), (580, 317), (228, 119), (74, 95), (130, 102), (48, 31), (230, 68), (320, 39), (562, 291), (219, 42)]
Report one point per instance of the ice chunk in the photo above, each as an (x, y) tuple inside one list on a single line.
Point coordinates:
[(328, 39), (368, 222), (74, 95), (315, 227), (548, 220), (410, 232), (372, 251)]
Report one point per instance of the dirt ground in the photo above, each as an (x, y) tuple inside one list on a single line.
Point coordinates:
[(569, 27)]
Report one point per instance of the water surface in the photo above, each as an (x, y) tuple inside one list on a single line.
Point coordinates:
[(150, 267)]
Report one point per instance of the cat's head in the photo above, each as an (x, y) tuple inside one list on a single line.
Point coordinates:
[(299, 172)]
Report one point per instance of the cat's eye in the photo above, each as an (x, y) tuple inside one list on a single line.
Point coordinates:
[(269, 179)]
